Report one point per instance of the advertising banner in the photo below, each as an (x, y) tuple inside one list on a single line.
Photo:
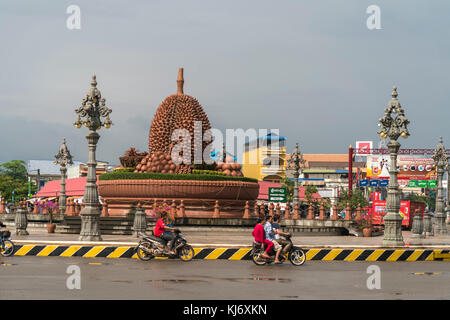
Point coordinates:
[(409, 167), (363, 148), (407, 209)]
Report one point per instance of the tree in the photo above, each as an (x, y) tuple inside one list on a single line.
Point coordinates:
[(357, 198), (16, 169), (427, 200), (289, 185), (13, 177), (310, 190)]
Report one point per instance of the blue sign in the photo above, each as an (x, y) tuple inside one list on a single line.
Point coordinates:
[(363, 183), (373, 183), (384, 183)]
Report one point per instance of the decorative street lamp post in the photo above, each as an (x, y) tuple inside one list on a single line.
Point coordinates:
[(63, 158), (440, 160), (393, 127), (447, 207), (92, 109), (297, 162)]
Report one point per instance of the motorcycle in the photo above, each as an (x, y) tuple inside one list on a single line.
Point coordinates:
[(6, 245), (295, 254), (151, 246)]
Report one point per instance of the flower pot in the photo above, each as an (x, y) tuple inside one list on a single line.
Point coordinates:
[(51, 227), (367, 232)]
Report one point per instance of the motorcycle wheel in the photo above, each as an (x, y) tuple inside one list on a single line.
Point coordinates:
[(256, 258), (187, 253), (142, 255), (9, 248), (297, 257)]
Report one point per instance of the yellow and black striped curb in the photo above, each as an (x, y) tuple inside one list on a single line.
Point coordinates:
[(238, 253)]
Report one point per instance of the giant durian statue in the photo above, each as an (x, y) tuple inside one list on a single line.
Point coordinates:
[(177, 111)]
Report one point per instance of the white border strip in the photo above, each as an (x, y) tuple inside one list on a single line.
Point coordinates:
[(227, 245)]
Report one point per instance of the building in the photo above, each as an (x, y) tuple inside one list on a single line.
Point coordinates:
[(81, 169), (328, 172), (265, 158), (46, 171), (42, 171)]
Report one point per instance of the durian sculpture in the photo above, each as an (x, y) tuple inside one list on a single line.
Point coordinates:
[(177, 111)]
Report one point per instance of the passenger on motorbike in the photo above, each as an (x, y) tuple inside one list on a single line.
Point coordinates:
[(161, 227), (258, 233), (1, 238), (270, 235), (286, 245)]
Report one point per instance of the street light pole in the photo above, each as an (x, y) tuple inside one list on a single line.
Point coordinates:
[(440, 160), (298, 163), (93, 108), (447, 209), (393, 128), (63, 158)]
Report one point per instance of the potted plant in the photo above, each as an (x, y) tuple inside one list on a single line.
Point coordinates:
[(364, 224), (51, 207)]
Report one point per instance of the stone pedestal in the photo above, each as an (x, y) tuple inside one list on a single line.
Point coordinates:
[(427, 225), (417, 226), (140, 221), (21, 222)]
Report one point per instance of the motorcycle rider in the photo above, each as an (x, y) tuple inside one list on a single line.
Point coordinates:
[(286, 245), (1, 238), (160, 229), (270, 235), (258, 233), (1, 233)]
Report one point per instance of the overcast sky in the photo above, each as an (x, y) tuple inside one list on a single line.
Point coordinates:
[(310, 68)]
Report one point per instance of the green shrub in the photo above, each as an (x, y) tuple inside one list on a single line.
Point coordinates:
[(218, 173), (123, 170), (170, 176)]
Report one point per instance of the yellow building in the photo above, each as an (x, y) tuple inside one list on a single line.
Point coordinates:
[(265, 158)]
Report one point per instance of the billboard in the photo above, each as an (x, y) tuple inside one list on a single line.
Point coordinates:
[(409, 167), (363, 148)]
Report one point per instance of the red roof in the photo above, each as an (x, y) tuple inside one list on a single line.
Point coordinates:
[(265, 185), (74, 187)]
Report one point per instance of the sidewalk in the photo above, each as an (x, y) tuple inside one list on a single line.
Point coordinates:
[(239, 238)]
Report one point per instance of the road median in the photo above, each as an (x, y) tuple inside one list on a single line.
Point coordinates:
[(233, 252)]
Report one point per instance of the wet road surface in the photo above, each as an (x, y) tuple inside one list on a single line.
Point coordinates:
[(102, 278)]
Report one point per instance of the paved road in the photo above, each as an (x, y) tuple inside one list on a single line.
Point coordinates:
[(45, 278)]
